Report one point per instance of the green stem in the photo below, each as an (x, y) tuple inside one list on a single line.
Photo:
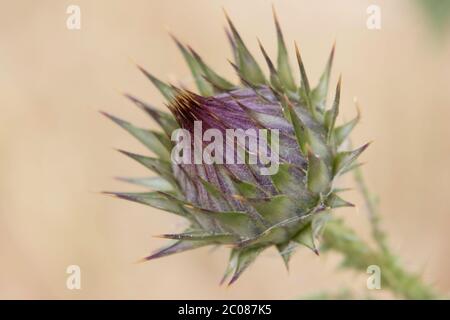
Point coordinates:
[(358, 255), (370, 201)]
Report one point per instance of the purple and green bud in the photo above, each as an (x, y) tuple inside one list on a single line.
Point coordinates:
[(248, 165)]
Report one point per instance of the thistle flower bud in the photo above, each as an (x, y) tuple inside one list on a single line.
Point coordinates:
[(249, 165)]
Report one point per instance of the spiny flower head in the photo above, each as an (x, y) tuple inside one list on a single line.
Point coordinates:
[(233, 201)]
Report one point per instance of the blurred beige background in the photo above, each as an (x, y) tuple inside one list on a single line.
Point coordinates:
[(57, 151)]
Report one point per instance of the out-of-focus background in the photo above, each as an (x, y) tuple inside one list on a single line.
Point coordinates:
[(57, 152)]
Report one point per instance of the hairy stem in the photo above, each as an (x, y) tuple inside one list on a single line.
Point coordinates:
[(358, 255), (371, 204)]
